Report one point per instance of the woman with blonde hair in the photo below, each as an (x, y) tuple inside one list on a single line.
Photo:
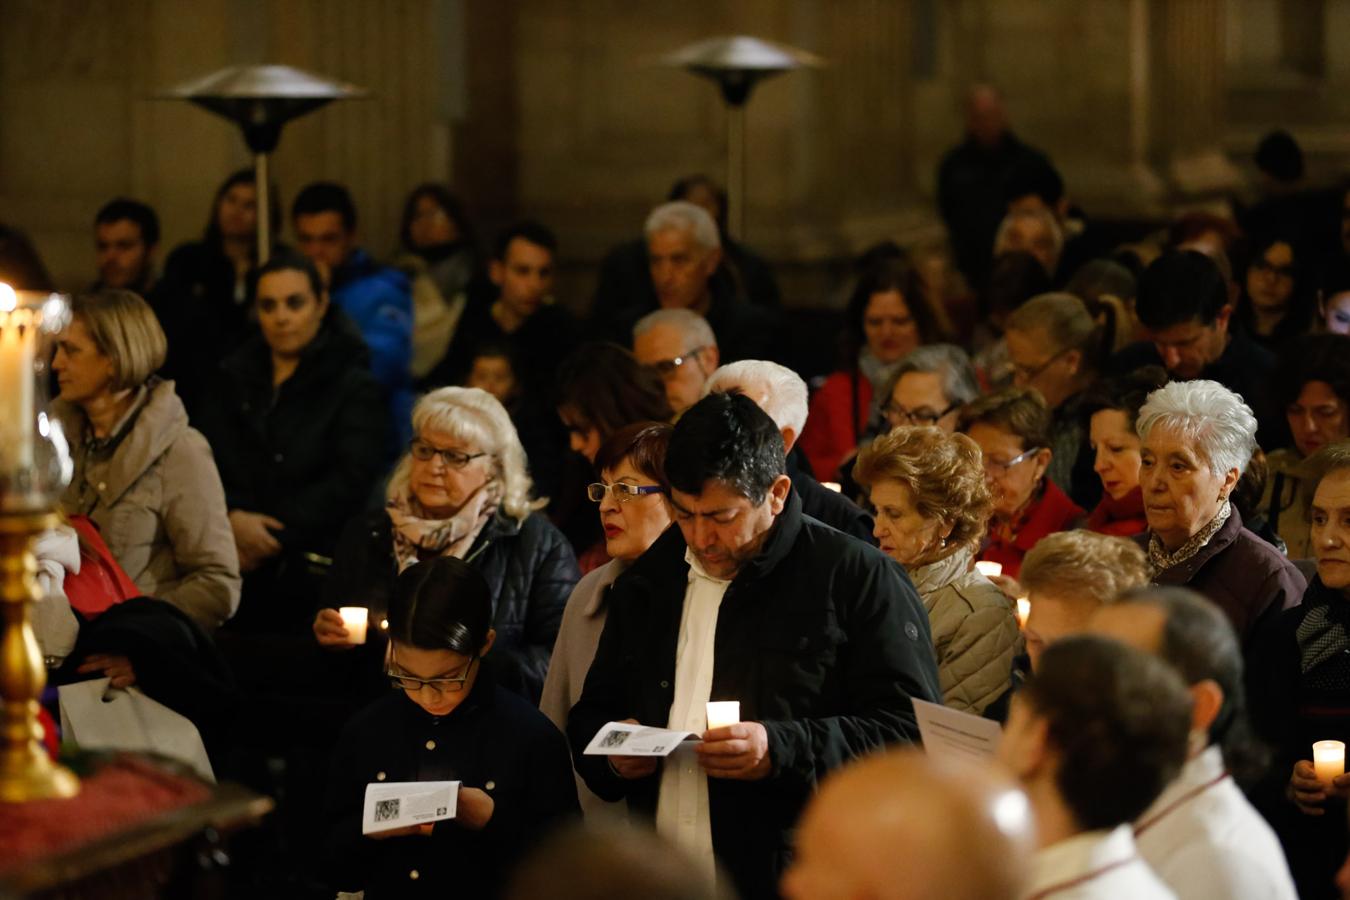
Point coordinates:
[(462, 490), (144, 476), (932, 506)]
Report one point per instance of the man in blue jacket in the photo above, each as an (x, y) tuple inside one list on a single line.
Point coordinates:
[(820, 637), (378, 299)]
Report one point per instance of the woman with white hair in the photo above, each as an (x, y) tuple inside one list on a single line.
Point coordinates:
[(462, 490), (1196, 439)]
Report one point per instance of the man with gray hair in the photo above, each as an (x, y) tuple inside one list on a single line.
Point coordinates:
[(781, 393), (681, 347), (684, 255)]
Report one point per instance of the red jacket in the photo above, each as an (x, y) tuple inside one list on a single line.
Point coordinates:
[(1052, 512), (832, 428), (100, 583), (1123, 517)]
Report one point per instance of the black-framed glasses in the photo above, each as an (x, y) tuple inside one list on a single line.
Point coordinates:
[(992, 467), (1025, 375), (897, 415), (455, 459), (438, 685), (667, 367), (1264, 265), (623, 493)]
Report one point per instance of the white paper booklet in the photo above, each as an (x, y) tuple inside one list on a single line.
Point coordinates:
[(398, 804), (625, 739), (951, 732)]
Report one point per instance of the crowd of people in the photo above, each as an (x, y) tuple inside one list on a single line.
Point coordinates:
[(1096, 491)]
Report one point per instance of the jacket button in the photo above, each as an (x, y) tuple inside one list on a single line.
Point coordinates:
[(414, 875), (665, 684), (431, 745), (490, 785), (379, 776), (278, 458)]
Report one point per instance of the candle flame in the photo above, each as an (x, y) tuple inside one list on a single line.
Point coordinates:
[(1023, 610), (9, 300)]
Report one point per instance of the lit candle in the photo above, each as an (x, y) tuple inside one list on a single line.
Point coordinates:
[(723, 712), (1023, 610), (989, 569), (832, 486), (1329, 759), (354, 620), (17, 338)]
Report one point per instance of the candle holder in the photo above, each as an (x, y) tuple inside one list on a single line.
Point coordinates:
[(35, 467)]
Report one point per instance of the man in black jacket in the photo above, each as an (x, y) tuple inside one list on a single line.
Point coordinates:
[(821, 639)]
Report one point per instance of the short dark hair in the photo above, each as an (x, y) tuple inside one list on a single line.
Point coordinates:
[(1120, 720), (1125, 393), (1033, 175), (685, 186), (527, 230), (133, 211), (449, 203), (322, 197), (1279, 156), (1313, 357), (442, 603), (1199, 642), (728, 438), (643, 444), (285, 259), (1178, 287), (605, 386)]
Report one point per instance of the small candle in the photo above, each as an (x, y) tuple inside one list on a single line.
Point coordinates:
[(1023, 610), (832, 486), (989, 569), (723, 712), (1329, 759), (17, 409), (354, 620)]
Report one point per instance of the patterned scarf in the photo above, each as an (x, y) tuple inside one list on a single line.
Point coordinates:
[(1160, 560), (414, 533)]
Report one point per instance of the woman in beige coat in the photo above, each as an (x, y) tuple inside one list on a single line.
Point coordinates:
[(145, 477), (932, 506)]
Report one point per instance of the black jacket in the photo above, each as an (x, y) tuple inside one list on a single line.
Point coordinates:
[(830, 507), (493, 741), (308, 452), (529, 567), (821, 638)]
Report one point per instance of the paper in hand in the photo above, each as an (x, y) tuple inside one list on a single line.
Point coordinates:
[(951, 732), (626, 739), (398, 804)]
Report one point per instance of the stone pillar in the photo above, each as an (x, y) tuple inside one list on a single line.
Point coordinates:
[(1188, 95)]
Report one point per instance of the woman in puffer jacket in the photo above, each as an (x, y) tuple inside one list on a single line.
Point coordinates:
[(932, 506)]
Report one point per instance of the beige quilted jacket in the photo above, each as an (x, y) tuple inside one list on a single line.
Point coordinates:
[(975, 631)]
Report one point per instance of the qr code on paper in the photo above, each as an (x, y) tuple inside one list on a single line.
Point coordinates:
[(614, 739), (386, 810)]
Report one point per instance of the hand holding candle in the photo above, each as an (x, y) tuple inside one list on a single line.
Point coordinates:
[(354, 619), (989, 569), (722, 713), (1328, 760)]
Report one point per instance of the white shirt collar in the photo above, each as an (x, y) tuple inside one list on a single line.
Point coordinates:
[(1079, 857), (1202, 770), (696, 569)]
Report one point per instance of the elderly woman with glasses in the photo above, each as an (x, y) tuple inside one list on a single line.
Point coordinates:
[(634, 512), (462, 491), (445, 720), (1197, 438), (932, 506), (1012, 429), (929, 387)]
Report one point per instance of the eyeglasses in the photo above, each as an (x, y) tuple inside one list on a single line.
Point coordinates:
[(438, 685), (897, 415), (455, 459), (668, 367), (991, 467), (623, 493), (1024, 375), (1262, 265)]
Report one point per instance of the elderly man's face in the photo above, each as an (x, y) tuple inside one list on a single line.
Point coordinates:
[(684, 367), (1032, 235), (680, 269), (723, 529)]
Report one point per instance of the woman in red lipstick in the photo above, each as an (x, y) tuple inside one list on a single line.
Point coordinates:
[(634, 511), (1312, 382), (1112, 409)]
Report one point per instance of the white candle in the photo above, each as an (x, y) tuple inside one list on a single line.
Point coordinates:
[(354, 620), (989, 569), (723, 712), (16, 381), (832, 486), (1329, 759), (1023, 610)]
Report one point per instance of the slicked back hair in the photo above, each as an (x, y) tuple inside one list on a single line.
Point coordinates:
[(726, 438)]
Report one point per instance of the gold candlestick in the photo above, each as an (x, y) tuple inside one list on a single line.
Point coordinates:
[(26, 771)]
